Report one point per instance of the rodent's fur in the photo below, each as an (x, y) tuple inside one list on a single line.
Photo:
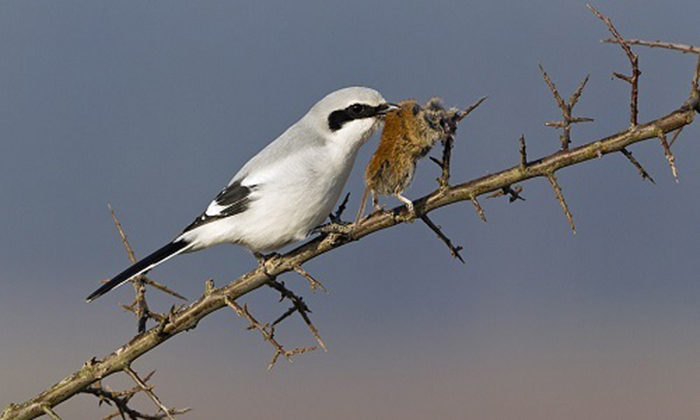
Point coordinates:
[(409, 134)]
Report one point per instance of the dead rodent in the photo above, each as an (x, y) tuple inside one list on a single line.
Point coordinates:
[(409, 134)]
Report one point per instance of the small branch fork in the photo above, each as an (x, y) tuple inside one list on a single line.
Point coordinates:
[(120, 399), (88, 378), (448, 143), (268, 333), (444, 180), (633, 80), (140, 306), (565, 125), (299, 306), (566, 109)]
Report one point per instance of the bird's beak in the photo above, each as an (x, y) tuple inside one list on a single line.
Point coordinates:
[(386, 107)]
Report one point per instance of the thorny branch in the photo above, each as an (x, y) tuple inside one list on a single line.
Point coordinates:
[(657, 44), (268, 333), (84, 380), (633, 81), (513, 193), (140, 306), (299, 306), (448, 143), (313, 283), (149, 391), (560, 196), (120, 400), (566, 109), (454, 250)]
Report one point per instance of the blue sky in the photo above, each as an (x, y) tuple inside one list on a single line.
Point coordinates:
[(153, 106)]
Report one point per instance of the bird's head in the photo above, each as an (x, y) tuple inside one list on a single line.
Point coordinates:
[(350, 115)]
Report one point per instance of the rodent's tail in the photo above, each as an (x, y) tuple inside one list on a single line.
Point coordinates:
[(161, 255)]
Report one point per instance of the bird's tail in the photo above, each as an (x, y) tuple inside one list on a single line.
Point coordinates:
[(161, 255)]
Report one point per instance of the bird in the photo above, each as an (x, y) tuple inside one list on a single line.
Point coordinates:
[(281, 194), (409, 134)]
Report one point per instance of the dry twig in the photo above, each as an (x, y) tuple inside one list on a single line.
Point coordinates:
[(313, 283), (633, 80), (49, 412), (566, 109), (669, 155), (479, 210), (657, 44), (523, 153), (268, 333), (299, 306), (513, 193), (140, 306), (560, 196), (149, 391), (448, 142), (454, 250)]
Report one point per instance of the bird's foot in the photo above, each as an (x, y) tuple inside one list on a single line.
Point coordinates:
[(262, 261)]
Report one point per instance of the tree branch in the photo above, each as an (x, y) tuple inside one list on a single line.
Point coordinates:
[(217, 298)]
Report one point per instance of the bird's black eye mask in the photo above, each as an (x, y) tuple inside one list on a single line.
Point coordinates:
[(355, 111)]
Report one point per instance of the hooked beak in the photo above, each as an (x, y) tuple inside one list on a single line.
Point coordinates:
[(386, 107)]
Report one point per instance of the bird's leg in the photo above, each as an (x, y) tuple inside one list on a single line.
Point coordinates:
[(375, 202), (408, 202)]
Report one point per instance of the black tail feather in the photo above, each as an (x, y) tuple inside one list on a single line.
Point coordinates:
[(141, 266)]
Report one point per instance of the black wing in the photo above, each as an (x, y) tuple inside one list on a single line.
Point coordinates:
[(234, 199)]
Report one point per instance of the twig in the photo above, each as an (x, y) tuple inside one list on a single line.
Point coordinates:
[(148, 390), (120, 399), (299, 306), (643, 172), (139, 305), (512, 192), (454, 250), (462, 115), (162, 288), (566, 110), (523, 152), (633, 80), (657, 44), (560, 196), (675, 136), (695, 85), (313, 283), (478, 208), (669, 155), (448, 143), (268, 334), (49, 412)]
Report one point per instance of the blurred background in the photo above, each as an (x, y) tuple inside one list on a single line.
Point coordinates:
[(153, 106)]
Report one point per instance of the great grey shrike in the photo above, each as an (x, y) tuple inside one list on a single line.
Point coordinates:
[(287, 189)]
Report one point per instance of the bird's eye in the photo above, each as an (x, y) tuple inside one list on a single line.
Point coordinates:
[(357, 109)]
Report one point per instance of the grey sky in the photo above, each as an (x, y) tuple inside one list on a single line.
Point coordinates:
[(153, 106)]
